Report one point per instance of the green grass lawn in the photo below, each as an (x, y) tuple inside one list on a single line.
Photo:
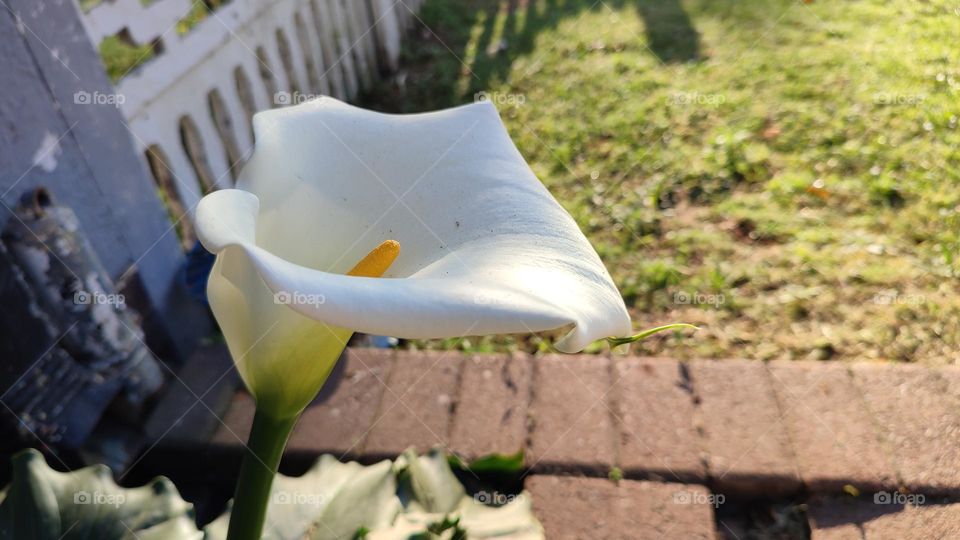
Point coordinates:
[(784, 174)]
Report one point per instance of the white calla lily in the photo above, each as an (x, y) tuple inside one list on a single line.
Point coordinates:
[(485, 248)]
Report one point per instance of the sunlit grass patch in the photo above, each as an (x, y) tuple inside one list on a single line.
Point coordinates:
[(798, 160)]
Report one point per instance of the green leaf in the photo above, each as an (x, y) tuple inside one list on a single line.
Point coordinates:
[(497, 463), (434, 486), (332, 500), (43, 504), (412, 498)]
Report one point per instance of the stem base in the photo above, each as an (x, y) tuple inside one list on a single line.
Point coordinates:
[(268, 437)]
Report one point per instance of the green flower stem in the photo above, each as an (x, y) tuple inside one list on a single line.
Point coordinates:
[(268, 437)]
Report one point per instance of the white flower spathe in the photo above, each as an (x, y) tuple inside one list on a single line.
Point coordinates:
[(485, 248)]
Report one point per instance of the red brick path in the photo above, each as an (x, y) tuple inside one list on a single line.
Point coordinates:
[(680, 433)]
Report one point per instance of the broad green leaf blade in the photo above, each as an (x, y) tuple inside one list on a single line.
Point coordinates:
[(43, 504), (513, 521), (412, 498), (332, 500), (435, 488), (476, 521), (367, 500)]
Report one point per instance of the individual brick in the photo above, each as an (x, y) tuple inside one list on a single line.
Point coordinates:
[(337, 421), (833, 434), (840, 518), (574, 508), (491, 414), (572, 425), (654, 406), (883, 519), (748, 450), (417, 406), (846, 531), (940, 522), (918, 412), (340, 423)]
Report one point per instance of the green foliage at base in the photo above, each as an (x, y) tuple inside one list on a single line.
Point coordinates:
[(43, 504), (411, 498)]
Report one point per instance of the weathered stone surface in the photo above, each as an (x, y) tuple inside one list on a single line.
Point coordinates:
[(491, 415), (655, 411), (89, 163), (572, 424), (833, 434), (576, 508), (748, 450), (918, 411), (417, 407), (340, 423)]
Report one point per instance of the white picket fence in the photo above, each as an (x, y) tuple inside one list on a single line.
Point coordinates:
[(189, 107)]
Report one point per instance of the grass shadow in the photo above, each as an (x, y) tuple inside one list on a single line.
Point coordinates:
[(670, 33), (454, 54)]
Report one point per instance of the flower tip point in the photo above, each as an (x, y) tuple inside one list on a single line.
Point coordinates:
[(616, 341)]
